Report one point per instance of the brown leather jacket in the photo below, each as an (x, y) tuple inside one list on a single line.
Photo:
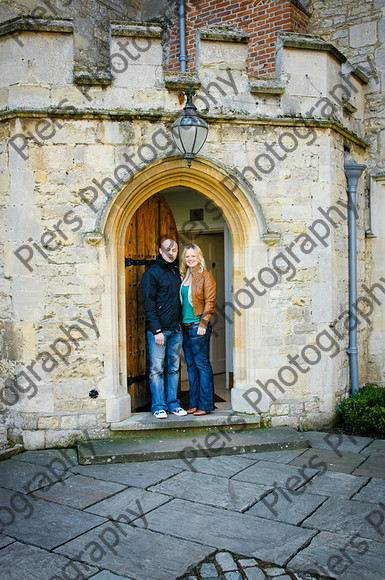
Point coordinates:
[(203, 289)]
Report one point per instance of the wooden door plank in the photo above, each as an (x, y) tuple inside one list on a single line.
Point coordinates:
[(152, 219)]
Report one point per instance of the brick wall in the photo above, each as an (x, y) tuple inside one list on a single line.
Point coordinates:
[(261, 19)]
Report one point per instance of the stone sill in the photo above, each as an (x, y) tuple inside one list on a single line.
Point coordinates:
[(136, 30), (181, 81), (25, 24), (31, 23), (264, 85), (309, 42), (223, 34)]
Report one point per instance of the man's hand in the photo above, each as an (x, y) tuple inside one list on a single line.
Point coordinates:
[(159, 338), (201, 330)]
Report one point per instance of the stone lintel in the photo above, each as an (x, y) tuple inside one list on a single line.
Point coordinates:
[(264, 85), (309, 42), (31, 23), (136, 30), (181, 81), (224, 34)]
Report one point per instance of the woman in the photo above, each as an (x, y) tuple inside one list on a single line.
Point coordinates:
[(198, 301)]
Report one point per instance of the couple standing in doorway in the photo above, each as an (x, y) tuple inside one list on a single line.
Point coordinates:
[(178, 305)]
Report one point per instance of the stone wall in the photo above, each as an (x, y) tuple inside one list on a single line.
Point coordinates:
[(74, 153), (357, 28)]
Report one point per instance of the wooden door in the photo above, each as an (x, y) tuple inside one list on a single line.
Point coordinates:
[(150, 222)]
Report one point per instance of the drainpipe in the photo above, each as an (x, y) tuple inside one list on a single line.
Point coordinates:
[(353, 172), (182, 36)]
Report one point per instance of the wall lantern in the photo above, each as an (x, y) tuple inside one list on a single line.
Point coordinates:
[(189, 131)]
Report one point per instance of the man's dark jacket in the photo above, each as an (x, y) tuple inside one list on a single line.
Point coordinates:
[(161, 300)]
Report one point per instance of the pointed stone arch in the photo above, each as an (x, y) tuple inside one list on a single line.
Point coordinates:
[(249, 234)]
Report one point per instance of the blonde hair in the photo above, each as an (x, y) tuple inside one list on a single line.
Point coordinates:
[(199, 255)]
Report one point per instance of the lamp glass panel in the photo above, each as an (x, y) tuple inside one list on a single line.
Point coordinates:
[(177, 139), (201, 134), (187, 135)]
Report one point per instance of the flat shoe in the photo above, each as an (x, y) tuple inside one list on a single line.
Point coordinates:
[(192, 410), (201, 412)]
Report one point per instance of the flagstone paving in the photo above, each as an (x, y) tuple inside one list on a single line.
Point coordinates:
[(374, 466), (140, 474), (79, 491), (26, 477), (343, 556), (331, 483), (287, 508), (301, 514), (212, 490), (344, 462), (374, 490), (376, 447)]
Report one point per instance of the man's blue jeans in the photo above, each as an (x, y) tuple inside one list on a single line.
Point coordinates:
[(200, 374), (164, 370)]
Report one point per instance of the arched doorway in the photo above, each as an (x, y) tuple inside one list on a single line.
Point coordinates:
[(188, 217), (246, 225)]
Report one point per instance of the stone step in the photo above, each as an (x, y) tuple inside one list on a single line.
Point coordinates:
[(145, 424), (188, 447)]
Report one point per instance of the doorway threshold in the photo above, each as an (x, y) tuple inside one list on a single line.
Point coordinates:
[(141, 424), (210, 442)]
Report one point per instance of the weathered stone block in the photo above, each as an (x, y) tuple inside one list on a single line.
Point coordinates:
[(363, 34), (47, 422), (69, 421), (34, 439)]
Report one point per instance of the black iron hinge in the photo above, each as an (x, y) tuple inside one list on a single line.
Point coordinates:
[(131, 262), (137, 379)]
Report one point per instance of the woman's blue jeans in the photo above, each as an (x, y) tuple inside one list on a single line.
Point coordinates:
[(164, 370), (197, 355)]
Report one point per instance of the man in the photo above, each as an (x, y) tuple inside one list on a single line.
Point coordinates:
[(163, 311)]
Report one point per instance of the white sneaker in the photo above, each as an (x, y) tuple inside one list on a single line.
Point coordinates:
[(179, 411), (161, 414)]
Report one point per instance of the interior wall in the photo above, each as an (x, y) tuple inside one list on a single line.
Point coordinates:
[(183, 199)]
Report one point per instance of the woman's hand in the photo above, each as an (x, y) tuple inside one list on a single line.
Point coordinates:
[(201, 330)]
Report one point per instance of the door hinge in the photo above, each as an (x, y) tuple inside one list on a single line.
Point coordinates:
[(131, 262), (137, 379)]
